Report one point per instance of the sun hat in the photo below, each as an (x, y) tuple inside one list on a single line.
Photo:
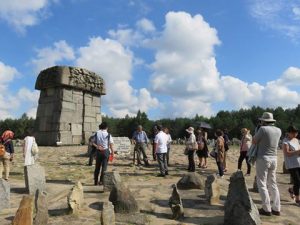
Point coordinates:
[(190, 130), (267, 117)]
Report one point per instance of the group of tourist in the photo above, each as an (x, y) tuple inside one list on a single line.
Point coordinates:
[(264, 143)]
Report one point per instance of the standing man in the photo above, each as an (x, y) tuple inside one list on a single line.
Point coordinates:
[(154, 133), (267, 139), (103, 142), (140, 140), (161, 149)]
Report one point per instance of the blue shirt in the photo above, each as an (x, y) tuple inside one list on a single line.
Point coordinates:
[(140, 137)]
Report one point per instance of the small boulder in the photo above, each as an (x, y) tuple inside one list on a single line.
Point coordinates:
[(123, 199), (175, 204), (75, 198), (111, 179), (191, 181), (239, 207), (24, 215), (108, 214), (212, 190)]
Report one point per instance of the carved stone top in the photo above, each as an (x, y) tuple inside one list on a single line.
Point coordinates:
[(78, 78)]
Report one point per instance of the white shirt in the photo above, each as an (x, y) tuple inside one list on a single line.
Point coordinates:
[(102, 139), (29, 158), (161, 139)]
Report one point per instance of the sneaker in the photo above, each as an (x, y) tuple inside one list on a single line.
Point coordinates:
[(247, 175), (276, 213), (167, 173), (264, 213)]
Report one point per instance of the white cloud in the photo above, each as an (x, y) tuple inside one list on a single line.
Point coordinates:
[(290, 76), (280, 15), (114, 63), (31, 113), (128, 37), (50, 56), (27, 95), (21, 14), (7, 73), (145, 25)]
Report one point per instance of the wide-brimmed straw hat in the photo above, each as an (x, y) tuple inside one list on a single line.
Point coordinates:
[(267, 117), (190, 130)]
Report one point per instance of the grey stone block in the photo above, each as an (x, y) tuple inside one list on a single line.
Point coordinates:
[(34, 179), (76, 129), (4, 194), (110, 180)]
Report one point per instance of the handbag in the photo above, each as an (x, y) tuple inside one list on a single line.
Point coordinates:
[(213, 154), (252, 154), (34, 148)]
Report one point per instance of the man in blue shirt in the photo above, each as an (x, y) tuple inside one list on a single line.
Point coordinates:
[(140, 140)]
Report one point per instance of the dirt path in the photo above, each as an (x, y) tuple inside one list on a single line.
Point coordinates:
[(66, 165)]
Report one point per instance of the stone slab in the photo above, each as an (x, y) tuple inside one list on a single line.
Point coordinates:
[(4, 194), (110, 180), (122, 144), (35, 179), (108, 214), (24, 215)]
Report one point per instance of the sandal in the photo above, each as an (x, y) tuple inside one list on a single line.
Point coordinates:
[(290, 190)]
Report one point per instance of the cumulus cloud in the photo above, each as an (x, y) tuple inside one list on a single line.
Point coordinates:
[(128, 37), (7, 73), (114, 63), (22, 14), (50, 56), (145, 25)]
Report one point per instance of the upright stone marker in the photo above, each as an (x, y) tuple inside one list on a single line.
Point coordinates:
[(239, 207), (24, 215), (75, 198), (212, 190), (4, 194), (175, 204), (41, 206), (110, 180), (69, 105), (108, 214), (122, 144), (35, 178)]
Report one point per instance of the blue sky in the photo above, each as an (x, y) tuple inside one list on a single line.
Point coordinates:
[(170, 58)]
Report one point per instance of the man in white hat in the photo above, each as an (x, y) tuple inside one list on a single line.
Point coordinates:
[(267, 139)]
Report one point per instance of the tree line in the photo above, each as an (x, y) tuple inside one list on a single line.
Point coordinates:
[(231, 120)]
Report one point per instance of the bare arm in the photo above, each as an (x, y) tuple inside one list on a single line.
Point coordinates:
[(288, 152)]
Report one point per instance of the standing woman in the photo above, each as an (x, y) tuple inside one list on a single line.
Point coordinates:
[(220, 151), (291, 149), (244, 147), (202, 151), (191, 146), (27, 147), (6, 140)]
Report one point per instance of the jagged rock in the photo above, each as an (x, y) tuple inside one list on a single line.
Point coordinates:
[(191, 181), (239, 207), (123, 199), (175, 204), (212, 190), (111, 179), (24, 215), (41, 205), (4, 194), (108, 214), (75, 198)]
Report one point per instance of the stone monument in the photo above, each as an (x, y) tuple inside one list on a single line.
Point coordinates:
[(69, 105)]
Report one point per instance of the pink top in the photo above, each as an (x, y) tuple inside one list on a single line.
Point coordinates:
[(246, 143)]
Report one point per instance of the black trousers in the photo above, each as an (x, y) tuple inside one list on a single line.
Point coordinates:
[(168, 155), (243, 155), (92, 154), (101, 163), (191, 159), (153, 151), (295, 173)]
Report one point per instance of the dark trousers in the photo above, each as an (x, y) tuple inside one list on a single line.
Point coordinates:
[(153, 151), (295, 173), (101, 162), (220, 166), (92, 154), (162, 162), (243, 155), (168, 155), (191, 159), (140, 149)]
